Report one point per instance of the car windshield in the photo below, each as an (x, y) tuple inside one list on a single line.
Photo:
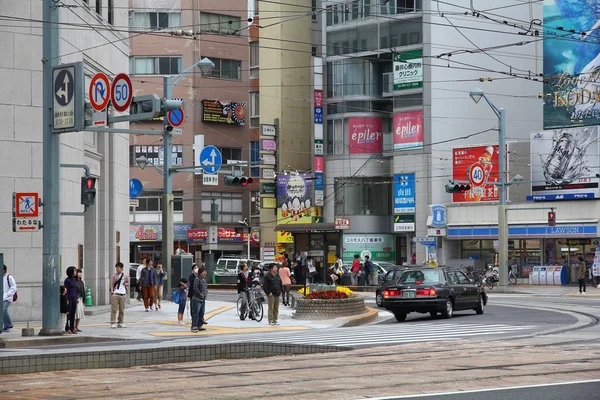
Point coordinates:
[(426, 276)]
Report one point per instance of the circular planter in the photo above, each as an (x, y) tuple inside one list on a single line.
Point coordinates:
[(316, 309)]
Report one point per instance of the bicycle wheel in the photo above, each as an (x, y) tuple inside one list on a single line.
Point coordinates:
[(512, 279), (257, 310), (489, 283), (242, 314)]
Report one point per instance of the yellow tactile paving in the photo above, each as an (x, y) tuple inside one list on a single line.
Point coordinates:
[(221, 330)]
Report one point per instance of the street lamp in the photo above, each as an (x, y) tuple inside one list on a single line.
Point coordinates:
[(247, 224), (205, 66)]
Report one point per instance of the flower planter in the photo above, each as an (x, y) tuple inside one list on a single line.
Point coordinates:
[(318, 309)]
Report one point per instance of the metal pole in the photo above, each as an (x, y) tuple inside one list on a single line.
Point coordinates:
[(249, 230), (2, 291), (167, 203), (51, 178), (502, 220)]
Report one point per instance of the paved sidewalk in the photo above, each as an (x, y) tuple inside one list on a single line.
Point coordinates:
[(547, 290)]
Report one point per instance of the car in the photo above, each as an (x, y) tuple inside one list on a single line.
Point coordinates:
[(392, 275), (432, 290)]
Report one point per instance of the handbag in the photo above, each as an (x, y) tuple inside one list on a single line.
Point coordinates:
[(15, 295)]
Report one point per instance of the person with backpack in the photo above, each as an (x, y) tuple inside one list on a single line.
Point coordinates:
[(179, 297), (371, 277), (119, 286), (10, 296)]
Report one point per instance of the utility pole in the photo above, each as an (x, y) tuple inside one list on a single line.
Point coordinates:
[(167, 197), (51, 179), (502, 218)]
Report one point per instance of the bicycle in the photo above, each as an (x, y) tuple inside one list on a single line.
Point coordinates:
[(254, 305), (512, 278)]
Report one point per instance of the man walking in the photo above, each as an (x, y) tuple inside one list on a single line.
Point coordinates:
[(10, 288), (149, 280), (371, 274), (119, 287), (581, 270), (199, 299), (273, 291)]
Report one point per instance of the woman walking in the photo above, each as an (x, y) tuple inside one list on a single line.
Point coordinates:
[(72, 288), (161, 274), (80, 313), (286, 282)]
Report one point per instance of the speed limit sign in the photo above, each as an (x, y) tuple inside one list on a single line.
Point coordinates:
[(122, 92), (477, 174)]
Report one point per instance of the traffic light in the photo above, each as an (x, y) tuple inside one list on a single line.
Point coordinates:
[(457, 188), (551, 218), (238, 180), (88, 190), (171, 104)]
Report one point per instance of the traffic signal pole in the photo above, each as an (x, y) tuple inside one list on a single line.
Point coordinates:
[(167, 197), (51, 177), (502, 218)]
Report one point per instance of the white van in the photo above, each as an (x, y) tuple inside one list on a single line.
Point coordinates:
[(232, 265)]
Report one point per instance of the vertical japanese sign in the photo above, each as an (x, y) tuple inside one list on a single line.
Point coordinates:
[(404, 194), (408, 70)]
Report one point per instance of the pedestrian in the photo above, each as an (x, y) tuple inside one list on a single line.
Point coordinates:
[(80, 313), (149, 281), (138, 278), (72, 291), (312, 270), (355, 271), (299, 269), (200, 293), (371, 275), (183, 289), (162, 276), (10, 291), (244, 281), (273, 291), (64, 307), (119, 287), (337, 270), (286, 283), (581, 270)]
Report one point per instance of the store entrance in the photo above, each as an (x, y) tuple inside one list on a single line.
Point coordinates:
[(569, 251)]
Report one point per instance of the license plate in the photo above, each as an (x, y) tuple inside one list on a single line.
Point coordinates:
[(409, 295)]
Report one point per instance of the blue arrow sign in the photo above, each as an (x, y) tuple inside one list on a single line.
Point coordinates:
[(63, 87), (210, 159), (135, 188)]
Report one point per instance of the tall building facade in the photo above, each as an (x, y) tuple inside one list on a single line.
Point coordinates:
[(96, 241), (215, 108)]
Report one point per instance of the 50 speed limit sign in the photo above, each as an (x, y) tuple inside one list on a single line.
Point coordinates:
[(477, 174), (122, 92)]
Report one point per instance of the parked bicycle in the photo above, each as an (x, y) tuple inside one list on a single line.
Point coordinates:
[(250, 302)]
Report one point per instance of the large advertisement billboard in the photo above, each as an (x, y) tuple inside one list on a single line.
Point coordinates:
[(564, 163), (408, 130), (571, 63), (479, 167), (408, 70), (294, 199), (365, 135)]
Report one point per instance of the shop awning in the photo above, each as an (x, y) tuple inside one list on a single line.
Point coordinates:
[(301, 228)]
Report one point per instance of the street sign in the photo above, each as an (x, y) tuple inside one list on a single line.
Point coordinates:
[(134, 203), (121, 93), (135, 188), (210, 179), (68, 98), (99, 91), (176, 118), (211, 160), (341, 223), (177, 131), (26, 205), (26, 224), (477, 174)]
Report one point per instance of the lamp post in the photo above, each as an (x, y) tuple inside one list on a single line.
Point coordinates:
[(206, 66)]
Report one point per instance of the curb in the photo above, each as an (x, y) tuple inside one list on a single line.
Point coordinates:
[(55, 341), (370, 316)]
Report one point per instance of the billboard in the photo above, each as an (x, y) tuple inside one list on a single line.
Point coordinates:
[(571, 64), (479, 166), (404, 194), (564, 164), (408, 130), (377, 247), (294, 199), (365, 135), (408, 70), (224, 112)]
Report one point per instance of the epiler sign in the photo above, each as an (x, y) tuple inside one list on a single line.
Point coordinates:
[(408, 130)]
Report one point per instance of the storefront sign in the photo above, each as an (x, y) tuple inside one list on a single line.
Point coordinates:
[(561, 164), (378, 247), (318, 148), (408, 130), (404, 227), (268, 130), (268, 173), (285, 237), (476, 165), (318, 98), (365, 135), (404, 194), (537, 231), (438, 216), (319, 181), (341, 223), (319, 164), (294, 199), (224, 112), (408, 70), (318, 115), (268, 144), (269, 188), (153, 232), (318, 131), (269, 202), (319, 197), (268, 159), (223, 235)]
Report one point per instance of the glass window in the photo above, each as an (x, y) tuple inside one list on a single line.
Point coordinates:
[(254, 52), (462, 278), (314, 10), (329, 15), (230, 206), (254, 109), (254, 158), (431, 276), (229, 153), (152, 20), (226, 69), (219, 24), (156, 65), (363, 196)]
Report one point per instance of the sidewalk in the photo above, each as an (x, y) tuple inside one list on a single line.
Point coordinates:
[(547, 290)]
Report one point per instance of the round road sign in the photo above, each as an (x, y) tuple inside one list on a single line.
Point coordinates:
[(176, 117), (122, 92), (99, 91), (477, 174)]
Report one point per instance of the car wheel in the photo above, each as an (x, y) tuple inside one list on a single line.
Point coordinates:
[(379, 299), (433, 313), (449, 310), (400, 316), (479, 309)]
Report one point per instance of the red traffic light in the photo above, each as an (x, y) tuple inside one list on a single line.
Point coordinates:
[(464, 188), (90, 183), (244, 180), (551, 218)]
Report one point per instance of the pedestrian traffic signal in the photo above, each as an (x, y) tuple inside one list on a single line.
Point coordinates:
[(88, 190), (551, 218), (238, 180), (457, 188)]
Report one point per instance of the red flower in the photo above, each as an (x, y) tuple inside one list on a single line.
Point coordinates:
[(327, 295)]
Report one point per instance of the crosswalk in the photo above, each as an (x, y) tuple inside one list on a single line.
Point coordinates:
[(372, 335)]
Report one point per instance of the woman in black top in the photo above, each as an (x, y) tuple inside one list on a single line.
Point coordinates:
[(80, 313), (72, 290), (244, 281)]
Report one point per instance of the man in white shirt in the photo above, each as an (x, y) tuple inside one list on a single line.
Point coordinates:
[(138, 276), (119, 286), (10, 288)]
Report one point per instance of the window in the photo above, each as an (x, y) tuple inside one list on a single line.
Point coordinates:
[(155, 65), (226, 69), (231, 154), (314, 51), (99, 7), (111, 11), (152, 202), (254, 109), (254, 158), (219, 24), (154, 20), (363, 196), (230, 206), (154, 154), (254, 60), (314, 10)]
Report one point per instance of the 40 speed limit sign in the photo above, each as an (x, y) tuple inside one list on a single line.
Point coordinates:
[(477, 174)]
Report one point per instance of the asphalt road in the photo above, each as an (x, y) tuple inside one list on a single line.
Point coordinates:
[(588, 390)]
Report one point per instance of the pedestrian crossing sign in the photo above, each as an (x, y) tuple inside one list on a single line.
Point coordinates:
[(26, 205)]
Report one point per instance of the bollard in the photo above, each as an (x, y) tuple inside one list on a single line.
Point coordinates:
[(88, 296)]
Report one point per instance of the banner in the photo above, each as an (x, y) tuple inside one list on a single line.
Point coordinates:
[(224, 112), (224, 235), (479, 167), (564, 163), (153, 232), (408, 70), (571, 63), (294, 199), (365, 135), (408, 130)]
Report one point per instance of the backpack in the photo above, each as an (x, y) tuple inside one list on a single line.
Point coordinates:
[(176, 297), (15, 296)]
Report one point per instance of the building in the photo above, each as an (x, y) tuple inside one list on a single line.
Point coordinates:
[(215, 108), (98, 240)]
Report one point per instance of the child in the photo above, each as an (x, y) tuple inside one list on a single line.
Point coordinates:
[(182, 300), (64, 307)]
